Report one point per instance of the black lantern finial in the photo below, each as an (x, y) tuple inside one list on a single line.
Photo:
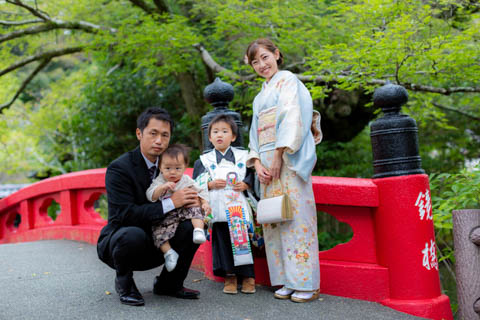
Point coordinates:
[(394, 136), (219, 94)]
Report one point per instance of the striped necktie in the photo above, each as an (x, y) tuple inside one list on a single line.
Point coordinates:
[(151, 171)]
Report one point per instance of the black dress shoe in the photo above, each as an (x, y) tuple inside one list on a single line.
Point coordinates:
[(183, 293), (134, 291), (128, 292)]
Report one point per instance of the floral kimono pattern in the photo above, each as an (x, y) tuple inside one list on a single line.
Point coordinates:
[(292, 246)]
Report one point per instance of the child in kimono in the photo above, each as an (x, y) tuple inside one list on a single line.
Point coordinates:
[(210, 172), (172, 164)]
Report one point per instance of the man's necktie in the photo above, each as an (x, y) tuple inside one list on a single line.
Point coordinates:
[(152, 172)]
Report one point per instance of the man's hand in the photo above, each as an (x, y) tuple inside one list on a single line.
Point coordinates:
[(217, 184), (186, 197)]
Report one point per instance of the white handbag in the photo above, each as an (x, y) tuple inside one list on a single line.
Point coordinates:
[(274, 209)]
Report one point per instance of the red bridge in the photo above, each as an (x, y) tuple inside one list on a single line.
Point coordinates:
[(391, 258)]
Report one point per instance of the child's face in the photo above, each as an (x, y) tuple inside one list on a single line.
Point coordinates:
[(172, 168), (221, 136)]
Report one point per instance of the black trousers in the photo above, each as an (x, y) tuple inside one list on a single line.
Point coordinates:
[(223, 255), (132, 249)]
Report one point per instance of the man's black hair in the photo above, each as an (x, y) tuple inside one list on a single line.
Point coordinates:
[(153, 112)]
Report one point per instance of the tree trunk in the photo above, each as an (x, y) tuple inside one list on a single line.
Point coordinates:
[(190, 94), (193, 101), (344, 114)]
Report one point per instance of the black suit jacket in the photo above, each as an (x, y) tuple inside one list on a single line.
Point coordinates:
[(127, 179)]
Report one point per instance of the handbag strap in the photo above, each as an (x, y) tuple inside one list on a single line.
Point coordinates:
[(265, 187)]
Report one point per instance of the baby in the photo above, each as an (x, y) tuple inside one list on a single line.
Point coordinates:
[(173, 162)]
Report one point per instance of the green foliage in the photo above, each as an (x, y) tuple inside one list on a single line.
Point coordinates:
[(30, 134), (54, 210), (331, 232), (101, 206), (158, 48), (105, 116), (454, 191), (345, 159), (408, 41), (80, 112)]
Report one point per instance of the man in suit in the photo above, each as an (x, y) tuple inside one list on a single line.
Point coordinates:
[(126, 242)]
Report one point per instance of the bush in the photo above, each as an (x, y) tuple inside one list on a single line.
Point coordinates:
[(453, 191)]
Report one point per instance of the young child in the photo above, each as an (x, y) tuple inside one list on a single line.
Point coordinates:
[(172, 163), (210, 173)]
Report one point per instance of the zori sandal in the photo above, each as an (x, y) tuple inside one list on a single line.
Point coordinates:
[(304, 296), (283, 293)]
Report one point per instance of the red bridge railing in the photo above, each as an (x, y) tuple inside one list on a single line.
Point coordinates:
[(23, 214), (390, 259)]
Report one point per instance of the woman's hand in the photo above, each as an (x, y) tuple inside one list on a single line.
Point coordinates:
[(276, 167), (263, 173), (217, 184)]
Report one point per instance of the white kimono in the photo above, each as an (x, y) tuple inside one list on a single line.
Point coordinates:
[(218, 199)]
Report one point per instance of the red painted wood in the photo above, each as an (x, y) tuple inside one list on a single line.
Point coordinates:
[(382, 262), (345, 191), (402, 236), (75, 192), (361, 248)]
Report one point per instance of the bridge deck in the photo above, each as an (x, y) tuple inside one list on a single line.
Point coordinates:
[(64, 279)]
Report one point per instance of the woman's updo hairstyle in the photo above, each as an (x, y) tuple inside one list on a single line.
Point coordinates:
[(253, 47)]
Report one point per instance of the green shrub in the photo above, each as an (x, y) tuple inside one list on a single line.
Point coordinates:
[(453, 191)]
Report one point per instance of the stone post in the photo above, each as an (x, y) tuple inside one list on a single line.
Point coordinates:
[(466, 238)]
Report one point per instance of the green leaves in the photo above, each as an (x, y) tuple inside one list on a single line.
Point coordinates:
[(399, 40), (134, 60), (454, 191)]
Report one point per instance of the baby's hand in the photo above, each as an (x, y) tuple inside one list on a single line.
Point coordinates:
[(206, 207), (170, 186), (217, 184)]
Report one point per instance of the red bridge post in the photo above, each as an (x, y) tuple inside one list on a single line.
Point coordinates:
[(403, 219)]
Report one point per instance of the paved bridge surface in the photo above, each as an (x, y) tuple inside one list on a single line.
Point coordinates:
[(62, 279)]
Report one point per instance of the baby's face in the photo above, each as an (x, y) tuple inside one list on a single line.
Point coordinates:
[(172, 168)]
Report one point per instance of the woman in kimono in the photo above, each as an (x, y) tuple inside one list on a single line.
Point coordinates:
[(282, 147)]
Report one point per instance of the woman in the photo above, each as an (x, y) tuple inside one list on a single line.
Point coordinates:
[(282, 147)]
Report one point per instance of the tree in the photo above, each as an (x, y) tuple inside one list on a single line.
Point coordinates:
[(342, 49)]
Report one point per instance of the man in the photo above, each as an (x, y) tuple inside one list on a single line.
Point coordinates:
[(126, 242)]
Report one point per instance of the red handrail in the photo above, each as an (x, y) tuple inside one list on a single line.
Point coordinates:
[(380, 212)]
